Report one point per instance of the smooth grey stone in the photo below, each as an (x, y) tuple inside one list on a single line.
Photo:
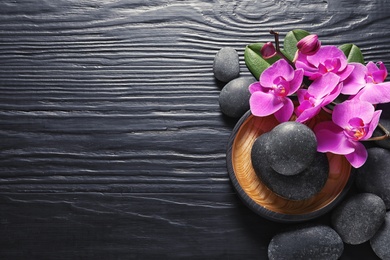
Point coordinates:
[(294, 147), (380, 243), (226, 64), (294, 187), (234, 97), (358, 218), (374, 175), (311, 242)]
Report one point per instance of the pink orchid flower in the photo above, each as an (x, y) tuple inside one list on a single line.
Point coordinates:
[(319, 94), (328, 59), (367, 83), (270, 94), (352, 121)]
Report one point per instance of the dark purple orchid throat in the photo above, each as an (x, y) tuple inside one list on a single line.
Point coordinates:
[(317, 76)]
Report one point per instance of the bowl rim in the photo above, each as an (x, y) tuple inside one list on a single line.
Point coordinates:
[(264, 212)]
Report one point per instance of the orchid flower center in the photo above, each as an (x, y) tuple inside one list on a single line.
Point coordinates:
[(330, 65), (357, 129), (280, 87), (370, 78)]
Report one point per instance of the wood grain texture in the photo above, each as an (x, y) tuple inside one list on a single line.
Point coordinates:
[(100, 98)]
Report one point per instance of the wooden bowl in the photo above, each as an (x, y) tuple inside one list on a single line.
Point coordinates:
[(262, 200)]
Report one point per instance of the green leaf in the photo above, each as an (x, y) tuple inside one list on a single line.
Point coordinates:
[(352, 52), (253, 60), (291, 40)]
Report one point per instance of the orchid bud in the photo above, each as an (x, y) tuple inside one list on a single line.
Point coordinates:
[(309, 45), (268, 50)]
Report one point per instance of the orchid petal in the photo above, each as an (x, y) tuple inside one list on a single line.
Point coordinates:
[(264, 104), (333, 95), (359, 156), (279, 68), (383, 68), (306, 111), (296, 83), (373, 124), (326, 53), (343, 112), (345, 73), (375, 93), (330, 138), (356, 79), (302, 95), (379, 76), (302, 63), (255, 87), (324, 85), (372, 67), (284, 113)]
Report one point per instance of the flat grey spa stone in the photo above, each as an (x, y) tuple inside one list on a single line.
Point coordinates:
[(294, 147), (234, 97), (358, 218), (380, 243), (311, 242), (294, 187), (226, 64), (374, 175)]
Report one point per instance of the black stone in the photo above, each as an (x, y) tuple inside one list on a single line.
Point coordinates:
[(226, 64), (294, 187), (374, 175), (234, 97), (294, 146), (311, 242), (380, 243), (358, 218)]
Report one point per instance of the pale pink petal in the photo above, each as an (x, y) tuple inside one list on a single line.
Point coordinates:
[(383, 68), (284, 113), (279, 68), (306, 111), (359, 156), (264, 104), (356, 80), (372, 67), (345, 73), (375, 93), (343, 112), (255, 87), (326, 53), (302, 95), (333, 95), (302, 63), (296, 83), (373, 124), (324, 85), (379, 76), (331, 138)]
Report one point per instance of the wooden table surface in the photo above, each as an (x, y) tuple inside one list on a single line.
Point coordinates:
[(113, 145)]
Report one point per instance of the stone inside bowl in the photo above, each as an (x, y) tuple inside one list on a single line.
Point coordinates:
[(261, 199)]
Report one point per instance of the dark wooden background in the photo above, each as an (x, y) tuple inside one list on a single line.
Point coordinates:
[(112, 141)]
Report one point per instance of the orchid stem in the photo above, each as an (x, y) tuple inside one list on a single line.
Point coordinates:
[(382, 137), (277, 47)]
